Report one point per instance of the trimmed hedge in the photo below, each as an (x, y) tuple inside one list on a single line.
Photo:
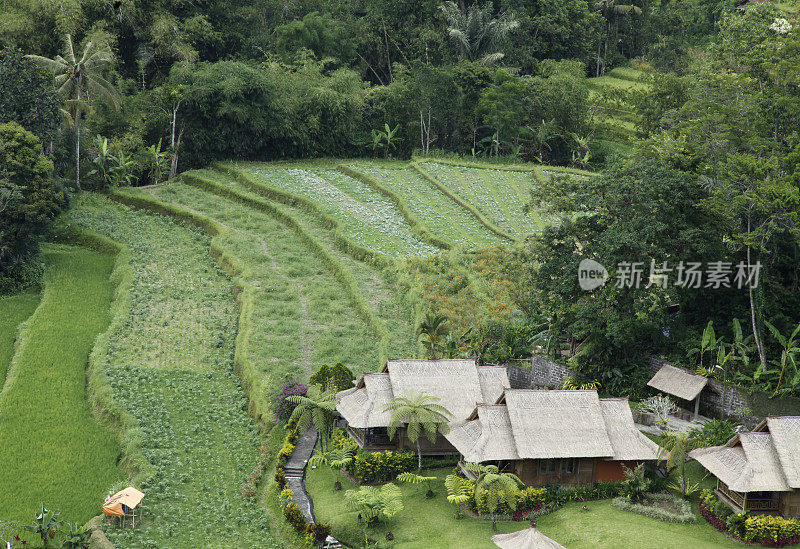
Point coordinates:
[(649, 509), (767, 530), (379, 467)]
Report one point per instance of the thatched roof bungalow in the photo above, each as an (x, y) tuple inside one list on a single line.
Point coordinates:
[(758, 471), (458, 384), (562, 437)]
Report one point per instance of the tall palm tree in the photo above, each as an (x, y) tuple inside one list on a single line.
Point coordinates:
[(433, 331), (495, 486), (422, 415), (677, 446), (477, 33), (318, 408), (79, 82)]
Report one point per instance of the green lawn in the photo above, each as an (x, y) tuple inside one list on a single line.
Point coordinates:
[(430, 523), (13, 310), (51, 449)]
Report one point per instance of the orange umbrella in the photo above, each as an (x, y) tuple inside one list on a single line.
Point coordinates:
[(130, 497)]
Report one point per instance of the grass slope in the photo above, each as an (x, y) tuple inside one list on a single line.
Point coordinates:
[(13, 310), (369, 218), (170, 366), (498, 194), (446, 219), (52, 449), (305, 317)]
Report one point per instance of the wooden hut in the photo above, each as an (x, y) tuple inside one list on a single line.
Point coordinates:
[(679, 383), (570, 438), (458, 384), (758, 471)]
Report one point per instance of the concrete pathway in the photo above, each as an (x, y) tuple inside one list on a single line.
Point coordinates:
[(296, 478)]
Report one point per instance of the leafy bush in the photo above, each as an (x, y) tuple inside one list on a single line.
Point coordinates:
[(341, 440), (338, 377), (283, 407), (653, 506), (635, 485), (374, 467), (318, 533), (295, 517), (715, 432), (735, 523), (529, 499), (769, 530)]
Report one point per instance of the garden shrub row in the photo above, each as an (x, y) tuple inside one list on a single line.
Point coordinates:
[(339, 271), (651, 508), (373, 467), (458, 200), (417, 226), (767, 530)]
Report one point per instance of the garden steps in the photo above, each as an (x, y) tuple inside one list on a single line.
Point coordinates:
[(295, 471)]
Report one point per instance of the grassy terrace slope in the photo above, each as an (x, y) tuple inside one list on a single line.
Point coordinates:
[(439, 213), (368, 218), (169, 364), (498, 194), (52, 449), (14, 310), (304, 314)]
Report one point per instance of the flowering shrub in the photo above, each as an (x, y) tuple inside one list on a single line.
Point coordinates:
[(318, 533), (295, 517), (285, 497), (767, 530), (284, 408), (374, 467), (771, 531)]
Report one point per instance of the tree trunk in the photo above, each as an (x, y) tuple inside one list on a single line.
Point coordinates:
[(762, 357), (78, 150), (419, 458)]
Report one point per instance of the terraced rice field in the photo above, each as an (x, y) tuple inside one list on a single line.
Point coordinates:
[(369, 219), (446, 219), (14, 310), (52, 450), (498, 194), (170, 364), (304, 315), (612, 92)]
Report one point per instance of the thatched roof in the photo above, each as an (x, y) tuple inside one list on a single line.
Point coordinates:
[(488, 438), (767, 460), (678, 382), (534, 424), (626, 440), (785, 431), (459, 384), (530, 538)]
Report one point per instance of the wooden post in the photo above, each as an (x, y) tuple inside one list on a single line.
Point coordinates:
[(744, 502)]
